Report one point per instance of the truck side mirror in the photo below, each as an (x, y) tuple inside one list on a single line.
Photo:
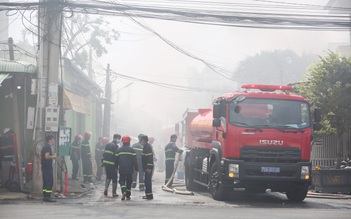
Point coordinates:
[(216, 111), (317, 115), (216, 122), (219, 109)]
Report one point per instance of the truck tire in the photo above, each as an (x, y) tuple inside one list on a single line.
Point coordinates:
[(216, 185), (296, 194), (189, 177)]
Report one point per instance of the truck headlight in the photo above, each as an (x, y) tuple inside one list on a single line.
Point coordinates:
[(305, 172), (233, 170)]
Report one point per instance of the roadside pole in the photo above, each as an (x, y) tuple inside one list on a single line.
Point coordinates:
[(107, 108), (50, 22)]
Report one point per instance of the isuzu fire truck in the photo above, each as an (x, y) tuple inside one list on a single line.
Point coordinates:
[(258, 138)]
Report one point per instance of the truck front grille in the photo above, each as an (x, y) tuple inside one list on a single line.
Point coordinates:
[(270, 154)]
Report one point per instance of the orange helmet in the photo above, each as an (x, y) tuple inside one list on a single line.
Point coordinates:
[(125, 139), (78, 137), (87, 134), (104, 140)]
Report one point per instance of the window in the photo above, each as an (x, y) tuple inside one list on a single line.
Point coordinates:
[(270, 113)]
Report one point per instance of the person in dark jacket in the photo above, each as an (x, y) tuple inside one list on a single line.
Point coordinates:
[(126, 163), (148, 166), (99, 151), (86, 158), (109, 162), (75, 155), (138, 148), (46, 167), (170, 151)]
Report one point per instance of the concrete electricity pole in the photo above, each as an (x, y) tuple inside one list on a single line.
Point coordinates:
[(107, 108), (50, 22)]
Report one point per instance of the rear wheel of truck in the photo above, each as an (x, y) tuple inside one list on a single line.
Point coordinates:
[(189, 177), (297, 194), (216, 186)]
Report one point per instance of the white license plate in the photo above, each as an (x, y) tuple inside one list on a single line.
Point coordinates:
[(270, 169)]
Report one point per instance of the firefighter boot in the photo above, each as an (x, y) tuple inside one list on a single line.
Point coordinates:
[(114, 189)]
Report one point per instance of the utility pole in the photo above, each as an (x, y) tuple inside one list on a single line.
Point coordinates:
[(107, 108), (50, 22)]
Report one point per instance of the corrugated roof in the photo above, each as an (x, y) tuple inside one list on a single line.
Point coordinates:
[(7, 67)]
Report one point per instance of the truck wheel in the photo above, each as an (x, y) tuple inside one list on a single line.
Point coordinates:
[(297, 194), (189, 177), (216, 186)]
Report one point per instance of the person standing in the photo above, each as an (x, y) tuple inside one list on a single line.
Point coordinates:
[(126, 163), (170, 151), (47, 169), (138, 148), (148, 166), (86, 158), (99, 151), (75, 155), (108, 161)]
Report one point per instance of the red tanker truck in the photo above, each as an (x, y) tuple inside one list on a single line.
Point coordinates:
[(258, 138)]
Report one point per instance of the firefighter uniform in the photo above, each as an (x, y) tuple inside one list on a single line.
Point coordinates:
[(148, 167), (86, 161), (170, 152), (46, 168), (138, 148), (75, 157), (108, 160), (126, 163)]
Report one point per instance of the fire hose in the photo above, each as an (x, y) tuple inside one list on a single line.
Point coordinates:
[(174, 190)]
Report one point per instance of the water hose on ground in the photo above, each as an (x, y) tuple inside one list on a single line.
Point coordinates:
[(174, 190)]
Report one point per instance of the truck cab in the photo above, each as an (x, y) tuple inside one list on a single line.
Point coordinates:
[(260, 139)]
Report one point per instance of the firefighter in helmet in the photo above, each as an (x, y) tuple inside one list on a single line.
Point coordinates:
[(126, 163), (170, 151), (75, 155), (99, 151), (138, 148), (148, 166), (86, 158)]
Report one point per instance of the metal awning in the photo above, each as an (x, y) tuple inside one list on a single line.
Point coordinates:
[(3, 77), (75, 102), (8, 67)]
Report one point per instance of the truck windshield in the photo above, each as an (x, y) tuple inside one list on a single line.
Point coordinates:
[(270, 113)]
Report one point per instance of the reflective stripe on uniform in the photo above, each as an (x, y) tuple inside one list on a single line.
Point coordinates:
[(126, 153), (85, 145), (138, 149), (170, 158), (147, 154), (169, 150), (149, 164), (108, 162), (47, 190), (109, 152)]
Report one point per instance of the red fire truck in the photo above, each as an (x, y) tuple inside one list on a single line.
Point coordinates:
[(258, 138)]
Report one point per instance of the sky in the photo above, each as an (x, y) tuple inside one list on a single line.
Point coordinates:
[(141, 54)]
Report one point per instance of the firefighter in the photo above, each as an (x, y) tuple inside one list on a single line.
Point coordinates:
[(99, 151), (46, 167), (138, 148), (148, 166), (86, 158), (170, 151), (75, 155), (108, 161), (126, 163)]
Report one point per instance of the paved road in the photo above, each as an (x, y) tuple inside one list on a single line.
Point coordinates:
[(168, 205)]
